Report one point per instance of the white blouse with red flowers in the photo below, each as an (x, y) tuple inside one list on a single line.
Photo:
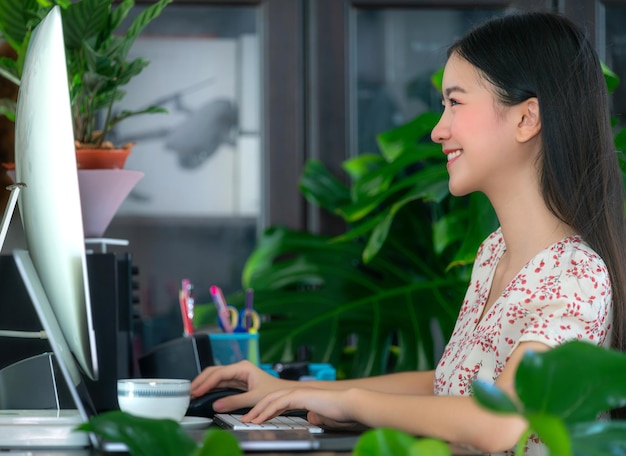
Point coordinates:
[(563, 293)]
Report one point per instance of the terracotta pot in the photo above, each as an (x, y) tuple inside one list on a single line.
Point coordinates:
[(102, 158)]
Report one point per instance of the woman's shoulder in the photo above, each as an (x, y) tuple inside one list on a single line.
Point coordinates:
[(569, 267), (572, 253)]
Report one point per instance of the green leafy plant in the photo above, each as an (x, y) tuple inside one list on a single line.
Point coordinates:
[(150, 437), (394, 280), (390, 442), (561, 393), (96, 56), (392, 283)]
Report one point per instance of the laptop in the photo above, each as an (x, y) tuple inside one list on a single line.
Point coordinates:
[(24, 428)]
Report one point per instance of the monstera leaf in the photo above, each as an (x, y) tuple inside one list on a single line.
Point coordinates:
[(562, 392), (383, 295)]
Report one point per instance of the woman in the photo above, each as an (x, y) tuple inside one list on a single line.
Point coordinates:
[(526, 122)]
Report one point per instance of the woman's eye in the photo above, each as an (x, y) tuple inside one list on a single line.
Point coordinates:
[(449, 102)]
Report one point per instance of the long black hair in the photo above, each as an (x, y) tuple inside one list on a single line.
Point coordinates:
[(545, 55)]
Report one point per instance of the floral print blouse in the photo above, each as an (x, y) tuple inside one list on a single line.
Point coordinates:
[(563, 293)]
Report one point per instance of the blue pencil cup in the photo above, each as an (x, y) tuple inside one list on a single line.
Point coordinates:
[(229, 348)]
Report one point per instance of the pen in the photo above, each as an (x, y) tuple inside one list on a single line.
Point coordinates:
[(222, 310), (186, 306), (190, 301), (249, 308)]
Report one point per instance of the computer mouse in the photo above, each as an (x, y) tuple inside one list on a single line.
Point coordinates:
[(203, 405)]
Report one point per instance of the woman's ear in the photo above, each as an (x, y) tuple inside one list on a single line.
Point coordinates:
[(529, 125)]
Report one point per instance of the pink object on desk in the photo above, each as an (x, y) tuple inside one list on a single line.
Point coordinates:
[(186, 300), (102, 192), (222, 309)]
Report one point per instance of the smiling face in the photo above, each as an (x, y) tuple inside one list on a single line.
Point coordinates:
[(478, 134)]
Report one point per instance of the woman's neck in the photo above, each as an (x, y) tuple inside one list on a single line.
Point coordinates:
[(528, 227)]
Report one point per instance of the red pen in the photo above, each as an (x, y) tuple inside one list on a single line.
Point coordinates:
[(185, 298)]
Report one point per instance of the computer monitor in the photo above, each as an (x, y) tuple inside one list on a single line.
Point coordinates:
[(49, 203)]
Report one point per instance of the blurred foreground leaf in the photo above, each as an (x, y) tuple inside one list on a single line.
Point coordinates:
[(390, 442)]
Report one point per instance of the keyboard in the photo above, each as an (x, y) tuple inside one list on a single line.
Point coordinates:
[(279, 423)]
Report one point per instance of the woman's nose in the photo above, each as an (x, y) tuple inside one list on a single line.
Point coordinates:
[(441, 131)]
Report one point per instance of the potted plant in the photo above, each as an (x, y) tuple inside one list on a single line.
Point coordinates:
[(392, 284), (97, 64), (97, 68)]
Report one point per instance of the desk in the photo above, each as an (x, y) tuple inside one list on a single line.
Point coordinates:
[(92, 452), (89, 452)]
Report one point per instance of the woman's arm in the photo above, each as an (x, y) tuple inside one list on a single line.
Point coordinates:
[(455, 419), (416, 382), (257, 384)]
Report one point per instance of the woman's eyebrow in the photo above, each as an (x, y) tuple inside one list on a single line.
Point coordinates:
[(449, 90)]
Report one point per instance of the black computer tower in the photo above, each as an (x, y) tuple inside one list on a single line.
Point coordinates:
[(111, 290)]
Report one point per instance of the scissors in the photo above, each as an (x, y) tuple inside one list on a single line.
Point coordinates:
[(230, 319), (247, 320), (250, 320)]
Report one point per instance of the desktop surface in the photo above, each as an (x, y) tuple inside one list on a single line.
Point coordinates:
[(94, 452)]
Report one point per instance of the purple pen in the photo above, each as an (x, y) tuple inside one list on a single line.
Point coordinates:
[(249, 308)]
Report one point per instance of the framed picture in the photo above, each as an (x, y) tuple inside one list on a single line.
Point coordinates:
[(202, 158)]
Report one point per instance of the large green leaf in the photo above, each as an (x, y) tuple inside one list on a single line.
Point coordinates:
[(119, 14), (306, 286), (15, 19), (612, 80), (479, 220), (217, 442), (493, 398), (390, 442), (8, 70), (83, 21), (562, 392), (143, 436), (599, 438), (552, 431), (7, 109), (393, 142), (322, 188), (361, 165), (385, 188), (429, 188), (152, 437), (140, 22), (545, 384), (380, 287)]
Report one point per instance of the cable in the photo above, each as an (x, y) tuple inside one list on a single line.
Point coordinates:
[(24, 334)]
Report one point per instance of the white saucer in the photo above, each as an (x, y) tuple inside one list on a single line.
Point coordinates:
[(195, 422)]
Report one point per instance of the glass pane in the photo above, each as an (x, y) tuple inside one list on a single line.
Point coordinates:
[(397, 51), (194, 213), (615, 54)]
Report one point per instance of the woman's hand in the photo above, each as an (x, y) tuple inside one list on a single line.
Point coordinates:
[(326, 408), (254, 381)]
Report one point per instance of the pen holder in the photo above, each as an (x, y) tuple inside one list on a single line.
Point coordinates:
[(229, 348)]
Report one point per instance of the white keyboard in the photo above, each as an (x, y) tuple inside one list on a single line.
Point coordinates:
[(278, 423)]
